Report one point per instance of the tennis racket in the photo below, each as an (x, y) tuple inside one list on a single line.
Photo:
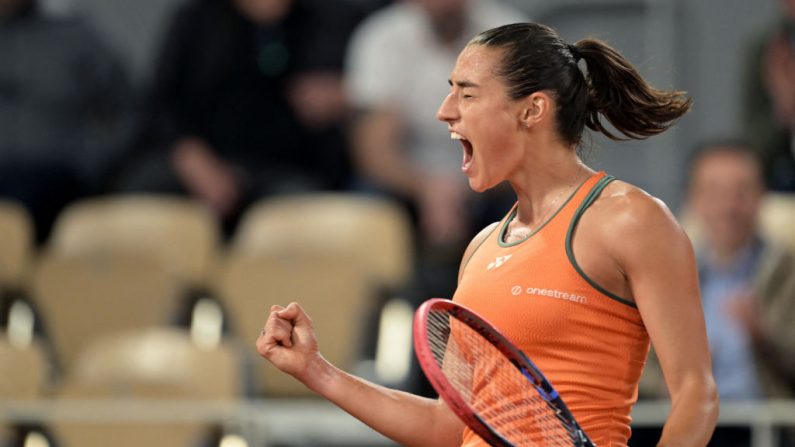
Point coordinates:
[(488, 382)]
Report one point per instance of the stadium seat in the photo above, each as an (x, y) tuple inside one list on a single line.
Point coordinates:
[(158, 364), (24, 371), (335, 293), (16, 244), (154, 362), (776, 219), (6, 435), (371, 232), (179, 233), (80, 299)]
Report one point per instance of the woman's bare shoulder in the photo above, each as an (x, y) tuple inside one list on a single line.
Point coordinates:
[(627, 215), (623, 203)]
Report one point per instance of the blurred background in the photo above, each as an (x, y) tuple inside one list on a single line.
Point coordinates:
[(169, 169)]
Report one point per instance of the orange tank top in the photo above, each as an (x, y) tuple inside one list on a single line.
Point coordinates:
[(590, 344)]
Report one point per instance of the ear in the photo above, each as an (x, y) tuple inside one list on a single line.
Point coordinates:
[(536, 108)]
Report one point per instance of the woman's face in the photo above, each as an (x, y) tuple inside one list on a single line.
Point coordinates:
[(480, 114)]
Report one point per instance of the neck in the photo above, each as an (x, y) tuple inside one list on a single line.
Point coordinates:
[(550, 173)]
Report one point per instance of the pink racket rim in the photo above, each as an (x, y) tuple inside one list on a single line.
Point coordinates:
[(437, 378)]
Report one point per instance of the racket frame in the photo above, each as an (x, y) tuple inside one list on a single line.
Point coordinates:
[(516, 357)]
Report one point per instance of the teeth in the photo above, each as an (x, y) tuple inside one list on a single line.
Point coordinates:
[(456, 136)]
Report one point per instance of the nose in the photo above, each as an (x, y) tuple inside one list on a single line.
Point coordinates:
[(448, 112)]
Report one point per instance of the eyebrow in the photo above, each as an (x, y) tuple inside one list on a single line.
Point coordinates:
[(463, 84)]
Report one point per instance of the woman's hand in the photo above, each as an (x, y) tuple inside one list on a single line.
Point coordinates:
[(288, 342)]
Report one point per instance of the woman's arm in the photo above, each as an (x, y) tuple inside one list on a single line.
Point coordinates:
[(288, 341), (658, 261)]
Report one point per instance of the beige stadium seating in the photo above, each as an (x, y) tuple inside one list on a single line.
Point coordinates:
[(336, 294), (179, 233), (777, 219), (371, 232), (16, 244), (6, 435), (24, 371), (80, 299), (157, 364)]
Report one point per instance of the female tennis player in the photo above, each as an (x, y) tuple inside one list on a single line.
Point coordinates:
[(581, 274)]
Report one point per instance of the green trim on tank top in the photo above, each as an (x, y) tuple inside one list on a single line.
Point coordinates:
[(589, 199), (512, 216)]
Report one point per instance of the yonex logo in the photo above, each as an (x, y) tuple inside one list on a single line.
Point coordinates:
[(498, 262)]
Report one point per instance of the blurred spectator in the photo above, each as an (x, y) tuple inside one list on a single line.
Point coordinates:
[(770, 100), (398, 65), (64, 110), (247, 101), (747, 282)]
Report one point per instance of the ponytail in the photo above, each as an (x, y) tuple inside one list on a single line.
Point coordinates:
[(618, 92), (535, 58)]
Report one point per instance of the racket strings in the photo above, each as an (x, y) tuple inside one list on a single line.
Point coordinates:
[(494, 388)]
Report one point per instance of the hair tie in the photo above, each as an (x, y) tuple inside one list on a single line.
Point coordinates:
[(575, 52)]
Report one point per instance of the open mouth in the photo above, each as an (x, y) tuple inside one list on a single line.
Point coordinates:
[(468, 150)]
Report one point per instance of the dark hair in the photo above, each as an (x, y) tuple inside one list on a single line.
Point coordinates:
[(537, 59)]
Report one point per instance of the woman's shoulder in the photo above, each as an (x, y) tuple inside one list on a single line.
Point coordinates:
[(623, 199), (635, 229), (625, 210)]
